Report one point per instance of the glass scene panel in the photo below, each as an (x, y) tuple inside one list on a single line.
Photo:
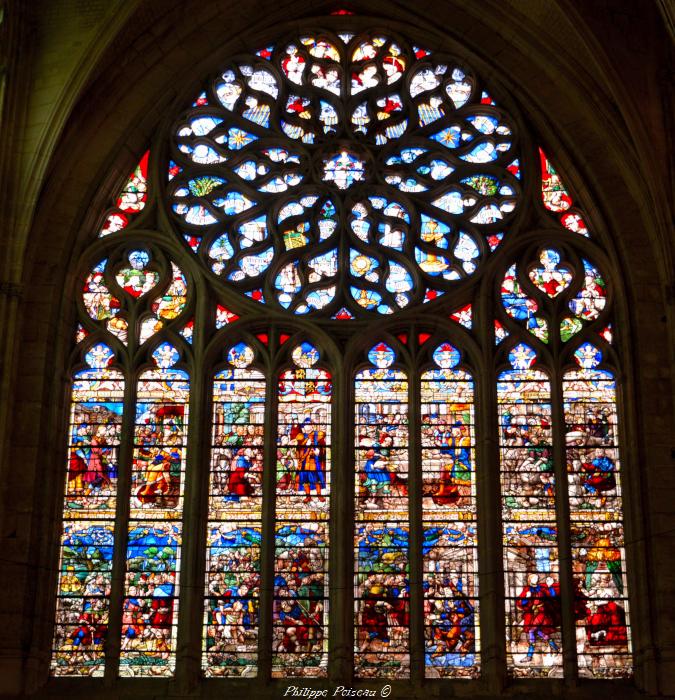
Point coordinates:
[(381, 579), (531, 568), (450, 582), (301, 536), (601, 605), (150, 605), (234, 529), (88, 530)]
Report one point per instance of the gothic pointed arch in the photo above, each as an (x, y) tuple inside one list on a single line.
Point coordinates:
[(362, 263)]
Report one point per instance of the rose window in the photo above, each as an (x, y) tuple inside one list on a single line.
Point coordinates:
[(344, 174)]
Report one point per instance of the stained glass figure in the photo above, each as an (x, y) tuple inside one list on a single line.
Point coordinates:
[(301, 541), (500, 332), (88, 530), (574, 222), (450, 583), (601, 608), (608, 334), (99, 302), (553, 192), (102, 305), (137, 279), (150, 605), (381, 579), (381, 355), (591, 300), (522, 307), (80, 334), (464, 316), (569, 327), (166, 307), (224, 316), (234, 529), (188, 330), (131, 199), (275, 127), (531, 568), (343, 169), (341, 176), (557, 199)]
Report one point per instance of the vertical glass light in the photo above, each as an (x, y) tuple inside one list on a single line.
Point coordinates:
[(87, 536), (150, 606), (596, 517), (381, 578), (531, 569), (300, 616), (450, 582), (234, 530)]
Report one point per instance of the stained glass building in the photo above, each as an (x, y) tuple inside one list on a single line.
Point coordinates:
[(347, 380)]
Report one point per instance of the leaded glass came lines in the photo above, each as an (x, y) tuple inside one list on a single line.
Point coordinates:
[(381, 537), (531, 565), (87, 539), (234, 528), (312, 201), (301, 536), (601, 607), (450, 556)]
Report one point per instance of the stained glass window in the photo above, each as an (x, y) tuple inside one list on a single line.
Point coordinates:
[(150, 605), (87, 539), (381, 537), (318, 357), (301, 528), (234, 528), (601, 607), (357, 173), (450, 555), (531, 558)]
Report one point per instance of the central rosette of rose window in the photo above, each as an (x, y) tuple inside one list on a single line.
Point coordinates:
[(343, 169), (343, 175)]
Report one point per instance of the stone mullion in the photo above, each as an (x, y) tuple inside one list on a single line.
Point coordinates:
[(195, 511), (122, 508), (341, 552), (488, 507), (265, 635), (416, 535), (563, 527)]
